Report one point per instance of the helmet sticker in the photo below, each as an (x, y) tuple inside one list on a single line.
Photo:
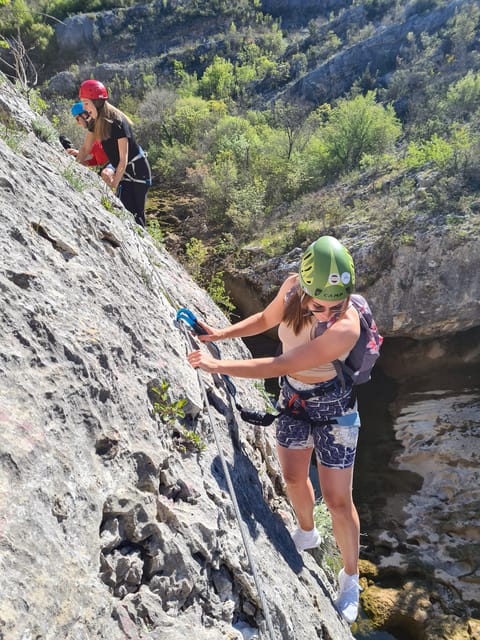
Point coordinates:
[(345, 277), (334, 278)]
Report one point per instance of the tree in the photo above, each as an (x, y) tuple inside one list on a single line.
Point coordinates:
[(463, 97), (291, 119), (218, 80), (20, 66), (356, 127)]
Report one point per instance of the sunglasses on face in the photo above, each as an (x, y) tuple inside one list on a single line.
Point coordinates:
[(320, 308)]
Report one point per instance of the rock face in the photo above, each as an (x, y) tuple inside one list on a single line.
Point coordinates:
[(136, 32), (115, 516), (301, 11), (145, 38), (378, 54)]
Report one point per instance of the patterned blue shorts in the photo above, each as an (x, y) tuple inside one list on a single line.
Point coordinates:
[(334, 444)]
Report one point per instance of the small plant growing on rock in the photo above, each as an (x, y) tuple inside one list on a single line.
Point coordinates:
[(107, 203), (188, 439), (155, 230), (164, 408), (9, 132), (44, 130), (169, 412), (73, 179)]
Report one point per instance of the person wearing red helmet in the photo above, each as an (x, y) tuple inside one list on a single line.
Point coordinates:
[(111, 127), (93, 89)]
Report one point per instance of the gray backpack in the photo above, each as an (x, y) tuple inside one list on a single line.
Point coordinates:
[(361, 359)]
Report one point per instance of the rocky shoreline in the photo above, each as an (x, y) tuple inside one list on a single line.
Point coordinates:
[(424, 581)]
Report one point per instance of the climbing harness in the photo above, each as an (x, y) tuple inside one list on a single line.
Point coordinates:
[(186, 319), (127, 177)]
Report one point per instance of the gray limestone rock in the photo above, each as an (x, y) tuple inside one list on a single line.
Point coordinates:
[(112, 523)]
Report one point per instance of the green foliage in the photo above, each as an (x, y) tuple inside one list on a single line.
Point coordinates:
[(14, 139), (331, 560), (436, 150), (129, 105), (247, 205), (407, 239), (218, 80), (107, 204), (307, 231), (196, 255), (199, 267), (44, 130), (63, 8), (464, 30), (421, 6), (18, 19), (463, 97), (219, 136), (169, 411), (155, 230), (192, 118), (216, 290), (9, 132), (185, 84), (190, 440), (356, 127), (38, 104), (170, 163), (267, 397), (74, 180)]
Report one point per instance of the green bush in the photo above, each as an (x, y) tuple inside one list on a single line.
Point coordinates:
[(437, 151), (356, 127)]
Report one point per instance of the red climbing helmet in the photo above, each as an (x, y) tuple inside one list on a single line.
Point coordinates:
[(92, 90)]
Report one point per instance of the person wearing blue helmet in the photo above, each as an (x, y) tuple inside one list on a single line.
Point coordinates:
[(97, 156)]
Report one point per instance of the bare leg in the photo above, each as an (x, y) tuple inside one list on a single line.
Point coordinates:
[(295, 465), (336, 486)]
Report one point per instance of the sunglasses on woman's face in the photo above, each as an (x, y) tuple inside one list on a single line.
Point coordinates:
[(320, 308)]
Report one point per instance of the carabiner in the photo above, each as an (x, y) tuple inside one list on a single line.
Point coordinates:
[(191, 320)]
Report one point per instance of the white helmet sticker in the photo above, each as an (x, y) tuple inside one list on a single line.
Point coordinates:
[(334, 278), (345, 277)]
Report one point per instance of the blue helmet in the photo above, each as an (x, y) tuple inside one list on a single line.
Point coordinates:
[(77, 109)]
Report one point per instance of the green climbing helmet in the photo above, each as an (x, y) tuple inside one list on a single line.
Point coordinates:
[(326, 270)]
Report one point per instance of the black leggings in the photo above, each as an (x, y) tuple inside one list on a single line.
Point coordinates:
[(133, 196)]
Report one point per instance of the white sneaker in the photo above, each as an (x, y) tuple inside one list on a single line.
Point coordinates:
[(348, 596), (306, 539)]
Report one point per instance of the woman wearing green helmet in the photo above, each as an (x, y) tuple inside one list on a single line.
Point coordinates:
[(317, 326)]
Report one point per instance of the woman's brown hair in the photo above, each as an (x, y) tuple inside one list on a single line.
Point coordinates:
[(295, 311), (107, 113)]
